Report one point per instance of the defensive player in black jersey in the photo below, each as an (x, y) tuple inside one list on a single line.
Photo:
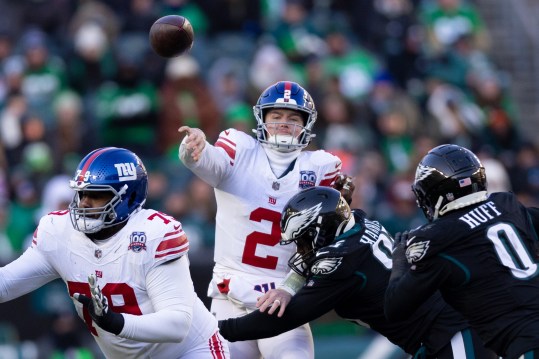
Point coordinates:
[(480, 251), (346, 260)]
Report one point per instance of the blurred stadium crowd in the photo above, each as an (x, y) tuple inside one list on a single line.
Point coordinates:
[(390, 79)]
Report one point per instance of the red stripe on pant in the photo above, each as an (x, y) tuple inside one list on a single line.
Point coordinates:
[(216, 347)]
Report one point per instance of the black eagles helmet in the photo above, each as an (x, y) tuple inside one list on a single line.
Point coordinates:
[(447, 178), (312, 219)]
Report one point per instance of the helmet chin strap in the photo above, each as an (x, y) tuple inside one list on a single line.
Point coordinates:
[(461, 202)]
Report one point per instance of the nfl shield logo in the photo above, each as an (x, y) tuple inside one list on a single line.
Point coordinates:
[(276, 186), (98, 253)]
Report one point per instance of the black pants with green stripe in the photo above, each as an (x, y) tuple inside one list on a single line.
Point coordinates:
[(532, 354), (465, 344)]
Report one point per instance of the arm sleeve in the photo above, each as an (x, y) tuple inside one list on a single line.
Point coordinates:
[(308, 304), (405, 293), (171, 290), (212, 165), (25, 274)]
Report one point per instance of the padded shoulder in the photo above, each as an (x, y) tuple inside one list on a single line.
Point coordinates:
[(321, 157), (236, 139), (338, 259), (163, 236), (51, 227), (423, 244)]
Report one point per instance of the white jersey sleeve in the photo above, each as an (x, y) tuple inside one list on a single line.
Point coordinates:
[(25, 274), (170, 290), (217, 160)]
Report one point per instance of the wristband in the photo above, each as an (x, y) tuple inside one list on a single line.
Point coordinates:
[(292, 283)]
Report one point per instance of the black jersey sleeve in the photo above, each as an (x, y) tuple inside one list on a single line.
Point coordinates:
[(406, 293), (316, 298)]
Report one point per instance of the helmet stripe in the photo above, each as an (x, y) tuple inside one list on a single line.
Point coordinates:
[(287, 91), (90, 161)]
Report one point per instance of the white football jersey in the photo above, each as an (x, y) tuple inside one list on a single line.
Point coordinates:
[(150, 238), (250, 199)]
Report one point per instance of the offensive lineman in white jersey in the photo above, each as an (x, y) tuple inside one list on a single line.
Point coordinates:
[(253, 179), (125, 267)]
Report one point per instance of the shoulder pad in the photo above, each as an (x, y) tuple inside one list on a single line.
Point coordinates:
[(420, 244), (327, 266), (233, 142), (336, 249), (55, 221), (235, 138), (333, 260), (51, 227), (323, 158), (328, 165), (165, 237), (359, 215)]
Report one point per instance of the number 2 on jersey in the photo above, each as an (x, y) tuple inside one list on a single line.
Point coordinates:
[(268, 239)]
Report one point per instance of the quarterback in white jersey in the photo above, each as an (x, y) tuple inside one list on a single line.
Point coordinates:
[(253, 179), (125, 267)]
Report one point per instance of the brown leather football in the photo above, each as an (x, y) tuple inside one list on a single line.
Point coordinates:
[(171, 36)]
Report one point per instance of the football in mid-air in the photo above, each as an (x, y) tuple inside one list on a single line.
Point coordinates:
[(171, 36)]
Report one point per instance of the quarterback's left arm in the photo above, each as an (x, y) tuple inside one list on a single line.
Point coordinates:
[(409, 286), (170, 288)]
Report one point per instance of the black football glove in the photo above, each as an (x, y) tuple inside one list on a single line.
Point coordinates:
[(344, 184), (400, 264), (99, 310), (400, 239)]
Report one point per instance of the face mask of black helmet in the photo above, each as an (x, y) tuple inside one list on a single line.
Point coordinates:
[(313, 219)]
